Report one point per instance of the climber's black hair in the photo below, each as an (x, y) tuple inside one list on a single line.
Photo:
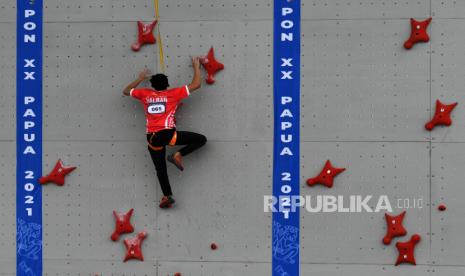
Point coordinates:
[(159, 82)]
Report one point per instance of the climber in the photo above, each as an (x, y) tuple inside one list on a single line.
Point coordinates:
[(160, 105)]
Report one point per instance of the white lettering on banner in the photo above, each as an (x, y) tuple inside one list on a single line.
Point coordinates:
[(287, 24), (29, 128), (29, 26), (287, 127)]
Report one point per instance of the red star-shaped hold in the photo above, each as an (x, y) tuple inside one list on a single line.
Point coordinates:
[(326, 176), (211, 65), (122, 224), (394, 227), (407, 250), (145, 35), (57, 175), (418, 32), (133, 247), (441, 115)]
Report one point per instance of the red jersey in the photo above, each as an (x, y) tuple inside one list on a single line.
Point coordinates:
[(160, 106)]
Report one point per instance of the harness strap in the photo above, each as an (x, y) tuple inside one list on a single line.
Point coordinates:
[(174, 139), (171, 143), (156, 148)]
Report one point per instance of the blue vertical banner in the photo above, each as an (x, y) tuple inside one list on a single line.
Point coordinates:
[(286, 149), (28, 138)]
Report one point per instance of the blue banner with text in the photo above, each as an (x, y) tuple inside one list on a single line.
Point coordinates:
[(28, 138), (286, 151)]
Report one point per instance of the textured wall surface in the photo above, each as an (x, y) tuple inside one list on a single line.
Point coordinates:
[(219, 195), (364, 103), (7, 142)]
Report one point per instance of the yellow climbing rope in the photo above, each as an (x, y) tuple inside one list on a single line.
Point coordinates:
[(160, 42)]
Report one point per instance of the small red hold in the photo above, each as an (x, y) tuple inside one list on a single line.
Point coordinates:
[(441, 115), (407, 250), (177, 274), (133, 247), (211, 65), (418, 32), (57, 175), (326, 176), (122, 224), (213, 246), (394, 227), (145, 35), (442, 207)]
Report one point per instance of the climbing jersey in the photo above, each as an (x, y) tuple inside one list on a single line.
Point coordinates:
[(160, 106)]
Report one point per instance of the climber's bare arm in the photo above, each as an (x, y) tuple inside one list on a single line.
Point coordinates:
[(142, 76), (196, 80)]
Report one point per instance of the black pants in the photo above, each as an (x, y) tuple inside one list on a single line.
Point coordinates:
[(160, 140)]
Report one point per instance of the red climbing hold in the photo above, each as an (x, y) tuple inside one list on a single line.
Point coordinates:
[(133, 247), (442, 207), (122, 224), (145, 35), (212, 66), (177, 274), (407, 250), (213, 246), (418, 32), (441, 115), (394, 227), (57, 175), (326, 176)]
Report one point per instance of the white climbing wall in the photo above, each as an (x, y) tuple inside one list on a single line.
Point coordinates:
[(219, 196), (364, 102)]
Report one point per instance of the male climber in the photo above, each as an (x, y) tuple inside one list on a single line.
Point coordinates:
[(160, 105)]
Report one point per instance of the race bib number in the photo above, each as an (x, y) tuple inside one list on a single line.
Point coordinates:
[(157, 108)]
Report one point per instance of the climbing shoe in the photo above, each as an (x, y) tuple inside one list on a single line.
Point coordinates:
[(176, 159), (166, 202)]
